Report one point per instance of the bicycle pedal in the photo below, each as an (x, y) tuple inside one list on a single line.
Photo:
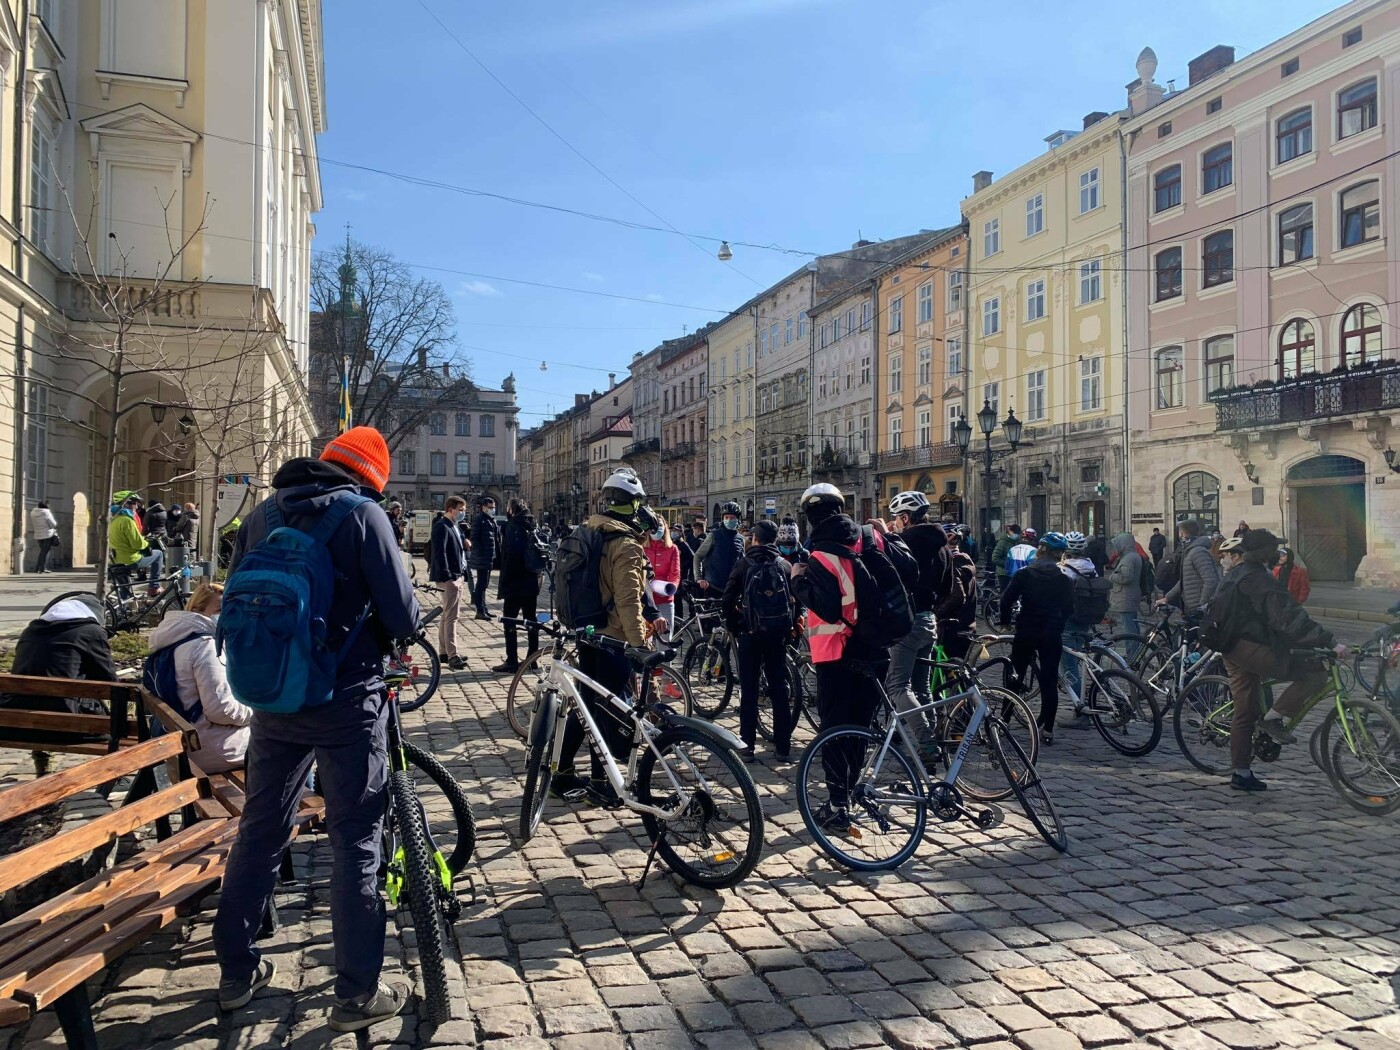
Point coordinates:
[(989, 818)]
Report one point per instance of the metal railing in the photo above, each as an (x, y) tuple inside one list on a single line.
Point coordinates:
[(1310, 397), (935, 454)]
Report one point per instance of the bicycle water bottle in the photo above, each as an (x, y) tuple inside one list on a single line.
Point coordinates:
[(1192, 659), (185, 576)]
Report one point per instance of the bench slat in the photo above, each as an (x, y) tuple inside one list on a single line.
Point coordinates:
[(13, 1013), (55, 721), (19, 799), (21, 867), (64, 748), (76, 688)]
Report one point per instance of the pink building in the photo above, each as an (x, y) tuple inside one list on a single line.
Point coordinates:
[(1262, 236)]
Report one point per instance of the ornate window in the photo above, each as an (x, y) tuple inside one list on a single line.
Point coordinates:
[(1361, 335), (1170, 372), (1297, 349)]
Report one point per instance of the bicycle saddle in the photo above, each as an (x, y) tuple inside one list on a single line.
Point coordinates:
[(649, 658)]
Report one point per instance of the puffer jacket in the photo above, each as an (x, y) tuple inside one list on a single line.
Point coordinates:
[(717, 556), (1004, 544), (200, 677), (485, 541), (623, 578), (1200, 576), (1046, 597), (1126, 574)]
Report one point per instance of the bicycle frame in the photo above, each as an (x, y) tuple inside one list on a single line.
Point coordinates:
[(897, 724), (1334, 688)]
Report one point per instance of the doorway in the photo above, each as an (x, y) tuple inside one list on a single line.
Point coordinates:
[(1038, 514), (1329, 523), (1092, 520)]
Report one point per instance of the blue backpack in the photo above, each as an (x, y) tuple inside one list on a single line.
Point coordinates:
[(158, 678), (277, 604)]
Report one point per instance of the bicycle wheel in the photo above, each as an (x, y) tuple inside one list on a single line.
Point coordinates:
[(1364, 756), (711, 679), (718, 837), (1377, 667), (765, 700), (670, 688), (1027, 786), (981, 777), (997, 673), (524, 690), (451, 826), (863, 804), (423, 881), (1201, 722), (1143, 656), (538, 771), (419, 661), (1124, 711)]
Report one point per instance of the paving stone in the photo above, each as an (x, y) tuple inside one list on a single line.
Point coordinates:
[(818, 1010), (916, 1033), (970, 1025)]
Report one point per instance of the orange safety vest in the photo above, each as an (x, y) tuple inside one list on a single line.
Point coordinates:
[(828, 640)]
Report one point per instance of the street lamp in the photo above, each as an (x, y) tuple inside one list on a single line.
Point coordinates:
[(962, 434)]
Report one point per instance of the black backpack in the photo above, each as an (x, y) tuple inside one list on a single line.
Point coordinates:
[(1227, 614), (767, 602), (884, 614), (1168, 574), (898, 552), (578, 586), (1147, 577), (158, 677), (1091, 594)]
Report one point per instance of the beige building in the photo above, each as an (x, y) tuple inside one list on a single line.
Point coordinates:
[(731, 411), (189, 123), (605, 448)]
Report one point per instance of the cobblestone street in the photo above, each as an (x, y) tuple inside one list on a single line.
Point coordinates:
[(1185, 916)]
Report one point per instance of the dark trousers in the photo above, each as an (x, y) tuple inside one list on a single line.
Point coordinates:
[(844, 697), (611, 671), (481, 580), (1043, 645), (523, 607), (44, 547), (767, 653), (1248, 664), (354, 782)]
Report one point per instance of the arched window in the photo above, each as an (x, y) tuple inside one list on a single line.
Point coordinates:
[(1196, 494), (1297, 349), (1361, 335), (1170, 387)]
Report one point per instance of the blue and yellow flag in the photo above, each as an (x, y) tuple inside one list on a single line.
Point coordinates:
[(346, 412)]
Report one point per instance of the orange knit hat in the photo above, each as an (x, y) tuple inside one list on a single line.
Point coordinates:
[(363, 450)]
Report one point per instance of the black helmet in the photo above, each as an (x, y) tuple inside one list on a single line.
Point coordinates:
[(729, 508)]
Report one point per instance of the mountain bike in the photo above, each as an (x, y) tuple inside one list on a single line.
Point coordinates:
[(711, 669), (866, 799), (422, 852), (695, 797), (1357, 744), (416, 663), (128, 607)]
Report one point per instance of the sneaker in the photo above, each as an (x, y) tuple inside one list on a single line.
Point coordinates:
[(234, 994), (505, 668), (748, 755), (600, 794), (1247, 782), (351, 1015), (484, 616), (834, 819), (568, 786), (1276, 730), (456, 663), (785, 755)]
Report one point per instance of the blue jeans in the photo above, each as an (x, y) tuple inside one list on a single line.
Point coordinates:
[(904, 655), (353, 769), (1074, 636), (155, 563)]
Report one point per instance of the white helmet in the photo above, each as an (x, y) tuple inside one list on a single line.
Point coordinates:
[(1076, 541), (625, 482), (908, 503), (821, 494)]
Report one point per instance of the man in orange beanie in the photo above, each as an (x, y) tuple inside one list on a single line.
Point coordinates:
[(346, 735)]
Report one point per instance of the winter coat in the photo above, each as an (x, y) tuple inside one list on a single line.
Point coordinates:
[(485, 541), (447, 560), (517, 580), (718, 555), (67, 648), (125, 539), (1157, 546), (1126, 574), (959, 606), (1046, 596), (665, 565), (1004, 544), (687, 557), (1298, 583), (42, 523), (201, 678), (156, 517), (369, 575), (817, 590), (732, 603), (623, 579), (1200, 576), (929, 544), (1271, 616)]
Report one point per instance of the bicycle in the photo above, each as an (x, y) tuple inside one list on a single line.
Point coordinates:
[(419, 858), (889, 790), (418, 664), (988, 597), (674, 769), (1376, 663), (711, 670), (126, 609), (1169, 657), (1363, 763)]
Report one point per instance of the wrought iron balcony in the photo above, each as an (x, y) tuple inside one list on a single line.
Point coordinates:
[(1312, 397), (680, 450), (646, 447), (919, 457)]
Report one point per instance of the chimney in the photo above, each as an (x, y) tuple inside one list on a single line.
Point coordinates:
[(422, 359), (612, 380), (1093, 118), (981, 181), (862, 243), (1144, 92), (580, 400), (446, 370), (1213, 61)]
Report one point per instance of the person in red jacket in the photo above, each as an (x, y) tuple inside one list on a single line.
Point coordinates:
[(666, 564), (1290, 572)]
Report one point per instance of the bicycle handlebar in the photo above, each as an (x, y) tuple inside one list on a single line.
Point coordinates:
[(647, 658)]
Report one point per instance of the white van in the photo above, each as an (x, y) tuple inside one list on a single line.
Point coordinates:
[(420, 531)]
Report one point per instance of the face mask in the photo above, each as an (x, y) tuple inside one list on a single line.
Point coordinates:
[(659, 535), (214, 619), (787, 548), (732, 524)]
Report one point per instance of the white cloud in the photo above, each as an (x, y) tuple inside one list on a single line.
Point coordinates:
[(481, 288), (593, 278)]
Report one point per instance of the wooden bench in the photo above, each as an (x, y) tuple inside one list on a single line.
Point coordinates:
[(48, 952)]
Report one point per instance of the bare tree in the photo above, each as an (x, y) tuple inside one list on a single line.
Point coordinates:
[(393, 330)]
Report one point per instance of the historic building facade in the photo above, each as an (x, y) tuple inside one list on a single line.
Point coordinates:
[(730, 394)]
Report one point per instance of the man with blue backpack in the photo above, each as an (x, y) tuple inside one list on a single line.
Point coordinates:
[(315, 593)]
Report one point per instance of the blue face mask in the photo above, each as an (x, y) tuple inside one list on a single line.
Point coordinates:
[(732, 524), (787, 548), (659, 535)]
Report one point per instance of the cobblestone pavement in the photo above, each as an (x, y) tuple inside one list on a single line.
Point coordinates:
[(1185, 916)]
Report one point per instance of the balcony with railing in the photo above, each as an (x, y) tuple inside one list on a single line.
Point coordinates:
[(921, 457), (645, 447), (680, 450), (1368, 388)]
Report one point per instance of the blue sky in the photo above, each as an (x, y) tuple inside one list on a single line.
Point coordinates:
[(802, 123)]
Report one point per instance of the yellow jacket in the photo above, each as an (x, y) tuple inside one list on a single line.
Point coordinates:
[(623, 579), (125, 539)]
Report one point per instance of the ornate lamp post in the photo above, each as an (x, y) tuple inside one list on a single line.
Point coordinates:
[(987, 423)]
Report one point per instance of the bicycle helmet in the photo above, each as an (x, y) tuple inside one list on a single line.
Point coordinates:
[(821, 495), (1234, 543), (729, 508), (623, 487), (908, 503), (1053, 541), (1029, 536), (1076, 542)]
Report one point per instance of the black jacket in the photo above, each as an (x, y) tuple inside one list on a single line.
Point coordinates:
[(517, 579), (817, 589), (1157, 546), (63, 649), (733, 596), (1269, 615), (447, 559), (486, 541), (1046, 596), (687, 560), (929, 544), (959, 605), (156, 517)]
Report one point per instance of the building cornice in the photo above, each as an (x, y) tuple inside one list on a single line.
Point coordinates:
[(1092, 140)]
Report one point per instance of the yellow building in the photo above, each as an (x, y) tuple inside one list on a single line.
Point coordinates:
[(922, 365), (1045, 333)]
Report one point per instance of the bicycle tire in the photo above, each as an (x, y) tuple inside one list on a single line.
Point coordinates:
[(765, 704), (714, 870), (423, 883), (1002, 704), (538, 773), (520, 697), (916, 801), (1028, 788), (1126, 709), (707, 671), (464, 842), (1201, 722), (1150, 655), (424, 666), (669, 687), (994, 664), (1366, 720), (1374, 672)]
